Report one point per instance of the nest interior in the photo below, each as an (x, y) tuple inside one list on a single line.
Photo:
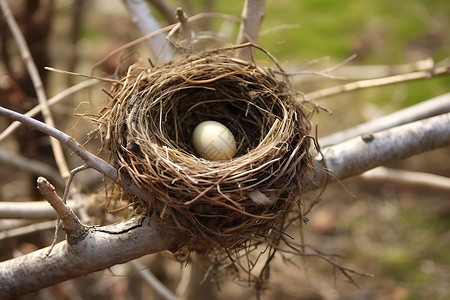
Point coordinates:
[(148, 127)]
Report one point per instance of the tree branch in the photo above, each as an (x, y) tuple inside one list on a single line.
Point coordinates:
[(29, 210), (105, 246), (426, 109), (363, 153), (142, 16), (408, 179), (101, 248), (252, 16), (353, 86)]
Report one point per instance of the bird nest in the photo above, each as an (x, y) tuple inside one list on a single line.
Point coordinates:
[(148, 127)]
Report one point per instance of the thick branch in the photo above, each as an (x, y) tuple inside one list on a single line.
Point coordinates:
[(102, 247), (363, 153), (426, 109)]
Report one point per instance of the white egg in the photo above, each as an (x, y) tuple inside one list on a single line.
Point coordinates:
[(213, 140)]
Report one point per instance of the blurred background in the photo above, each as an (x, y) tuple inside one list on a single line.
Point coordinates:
[(399, 233)]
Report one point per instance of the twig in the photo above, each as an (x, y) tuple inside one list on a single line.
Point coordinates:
[(55, 99), (379, 71), (142, 16), (91, 160), (37, 82), (426, 109), (185, 33), (73, 227), (360, 154), (252, 16), (353, 86), (30, 165), (157, 285), (408, 179)]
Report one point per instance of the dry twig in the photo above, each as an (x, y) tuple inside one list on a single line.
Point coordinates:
[(353, 86), (408, 179)]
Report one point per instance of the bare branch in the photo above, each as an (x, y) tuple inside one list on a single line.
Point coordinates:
[(142, 16), (38, 86), (252, 16), (91, 160), (426, 109), (101, 248), (151, 279), (28, 210), (379, 71), (185, 32), (73, 227), (408, 178), (360, 154), (30, 165), (26, 229), (353, 86)]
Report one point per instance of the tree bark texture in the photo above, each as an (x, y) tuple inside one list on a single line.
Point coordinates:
[(101, 248)]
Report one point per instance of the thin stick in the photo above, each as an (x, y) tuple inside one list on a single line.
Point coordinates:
[(409, 179), (30, 165), (32, 228), (28, 210), (151, 279), (353, 86), (38, 86), (52, 101), (252, 16)]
